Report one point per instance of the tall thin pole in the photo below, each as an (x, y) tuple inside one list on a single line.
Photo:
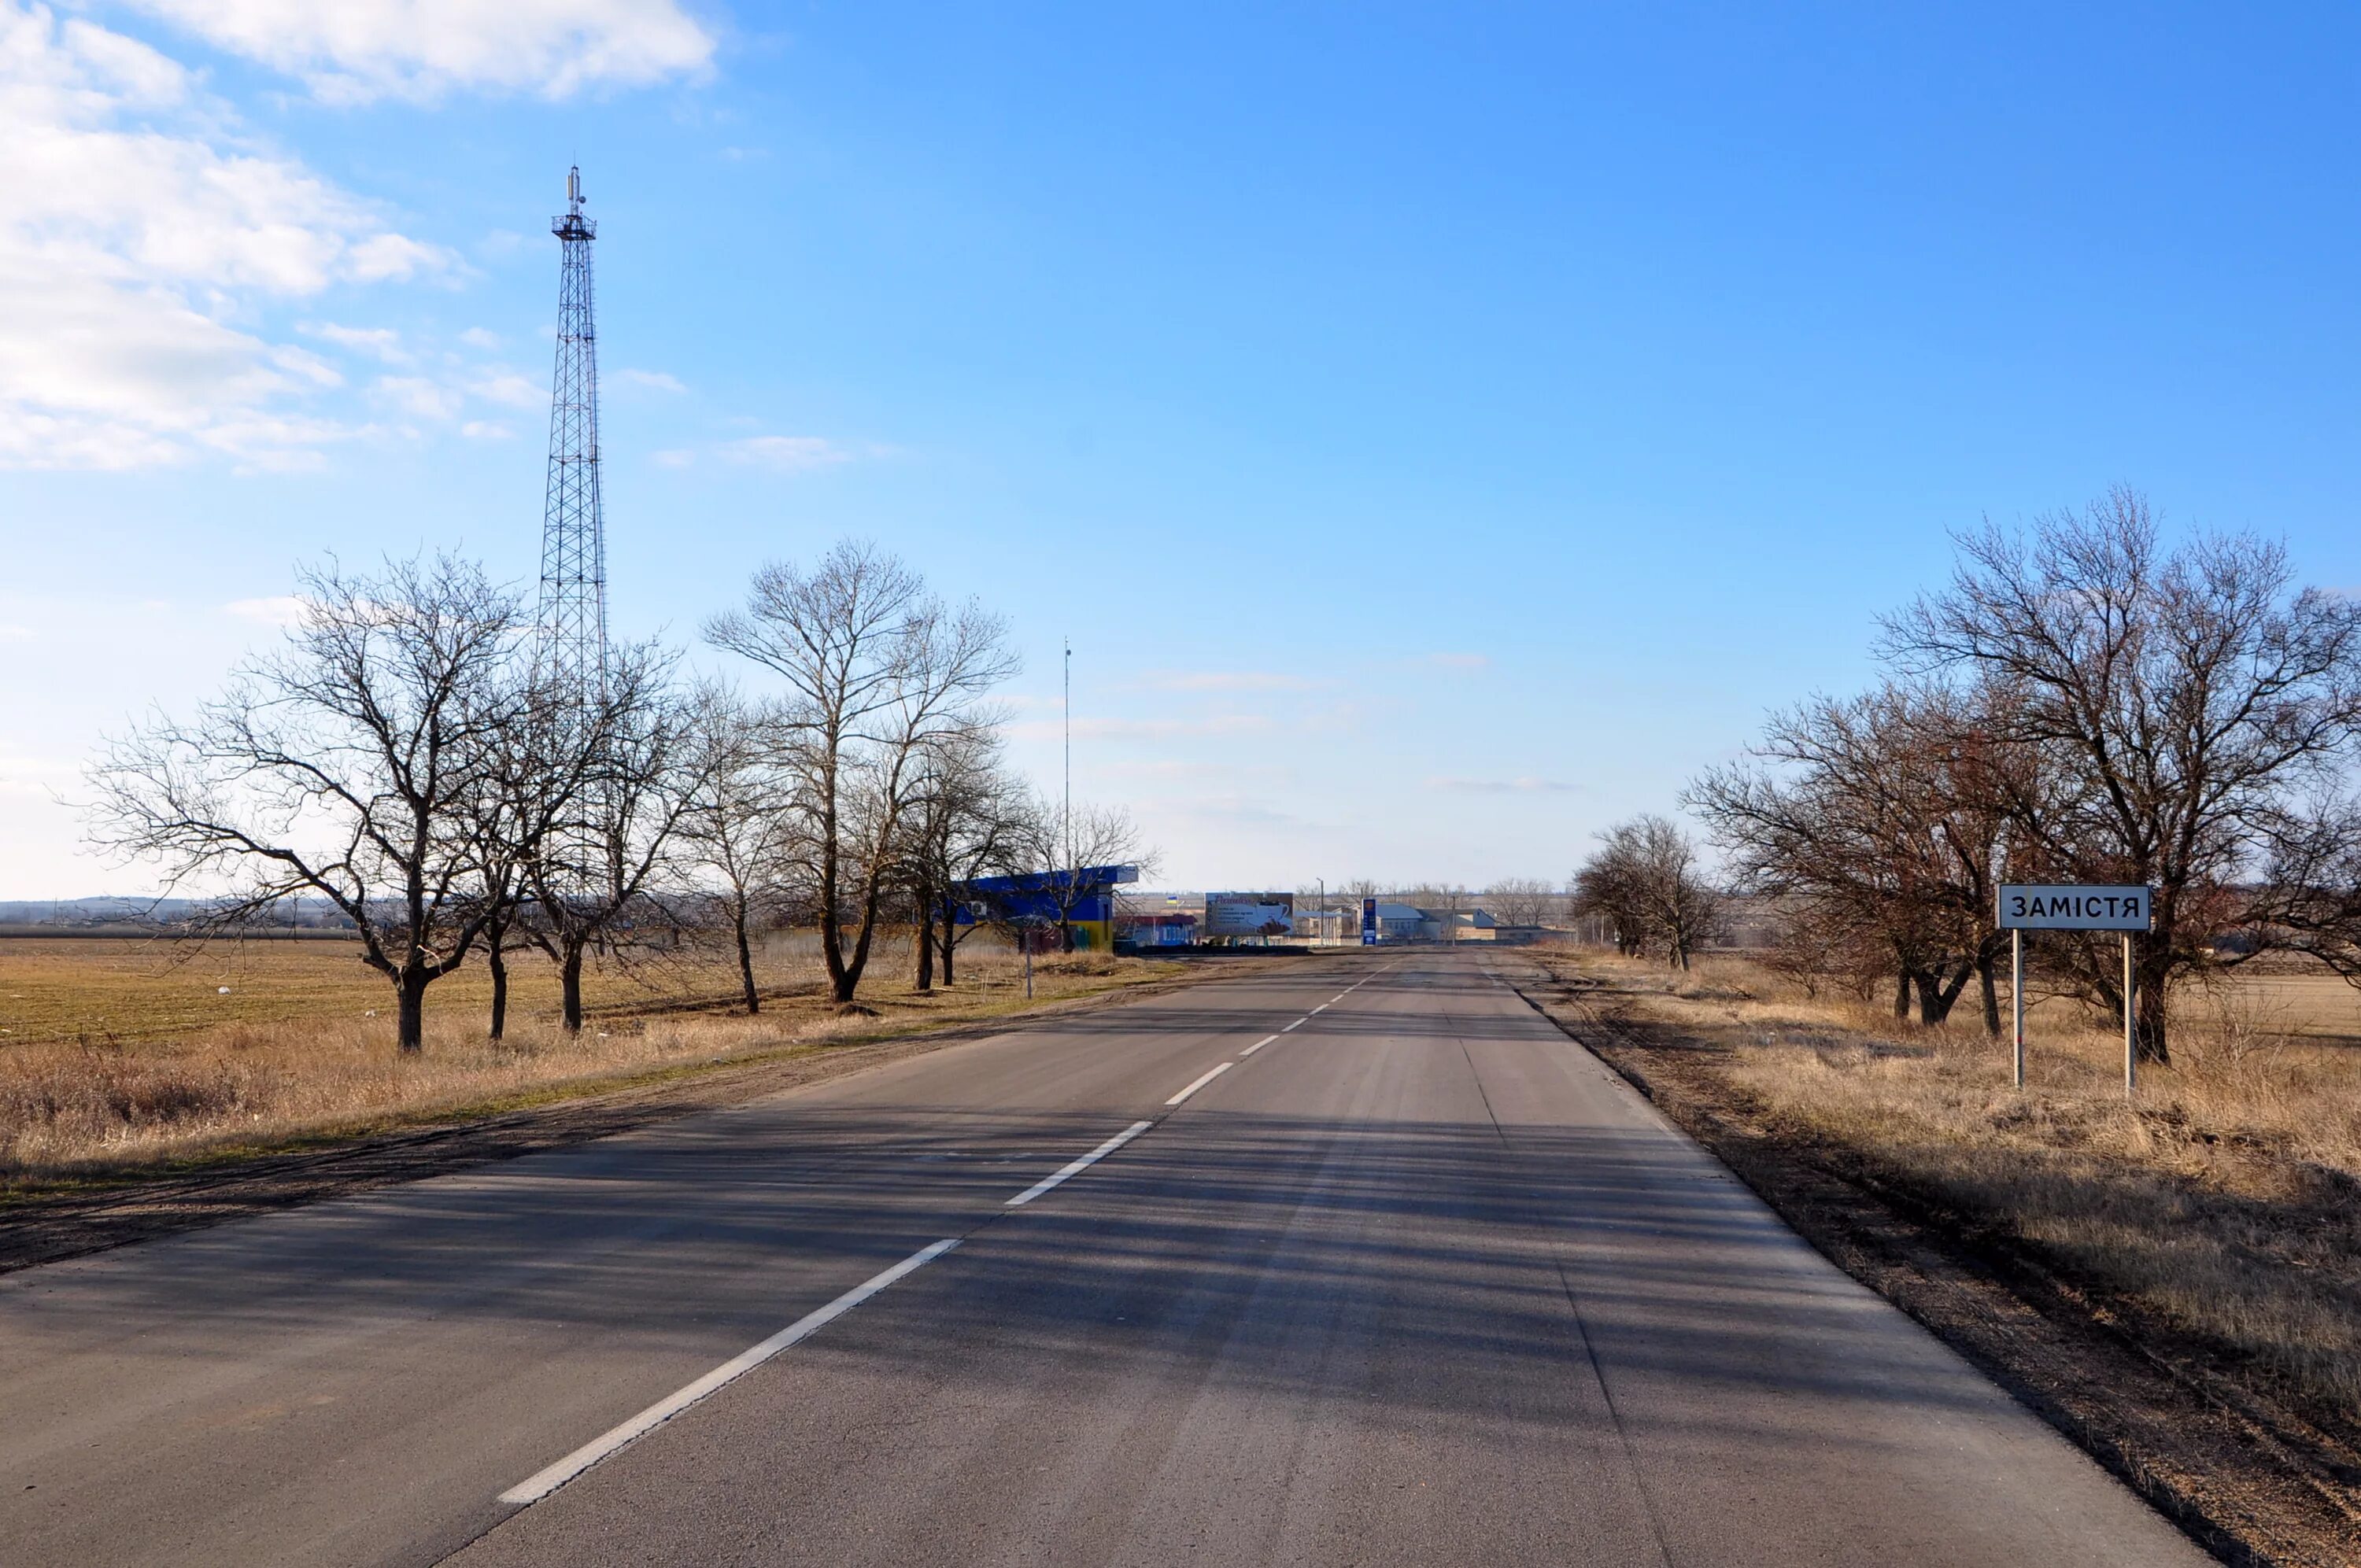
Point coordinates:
[(2016, 995), (1067, 705), (573, 613), (2131, 1039)]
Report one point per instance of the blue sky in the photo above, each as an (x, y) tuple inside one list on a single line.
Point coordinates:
[(1441, 431)]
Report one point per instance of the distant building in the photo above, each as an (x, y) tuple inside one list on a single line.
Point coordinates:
[(1080, 903), (1158, 929), (1408, 923)]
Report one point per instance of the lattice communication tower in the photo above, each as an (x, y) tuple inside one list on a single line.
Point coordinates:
[(574, 521)]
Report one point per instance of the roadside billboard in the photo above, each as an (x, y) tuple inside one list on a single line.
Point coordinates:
[(1249, 913)]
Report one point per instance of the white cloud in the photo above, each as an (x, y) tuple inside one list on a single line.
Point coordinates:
[(500, 384), (15, 635), (1144, 729), (654, 380), (479, 337), (674, 457), (483, 429), (141, 236), (355, 51), (1526, 785), (418, 396), (1229, 680), (787, 454), (377, 342), (282, 610)]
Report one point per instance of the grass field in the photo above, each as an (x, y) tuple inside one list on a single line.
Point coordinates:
[(119, 1053), (2221, 1200)]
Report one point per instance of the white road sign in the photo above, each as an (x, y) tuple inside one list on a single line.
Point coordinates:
[(2039, 908)]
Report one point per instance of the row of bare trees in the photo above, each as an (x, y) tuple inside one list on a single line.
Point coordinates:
[(407, 757), (2081, 703)]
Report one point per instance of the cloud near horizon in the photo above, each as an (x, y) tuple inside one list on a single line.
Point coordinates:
[(1526, 785)]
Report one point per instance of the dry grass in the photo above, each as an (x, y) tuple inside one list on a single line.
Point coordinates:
[(121, 1054), (2222, 1202)]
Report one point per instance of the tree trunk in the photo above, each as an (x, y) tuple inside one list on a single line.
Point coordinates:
[(1985, 965), (746, 963), (569, 972), (497, 961), (950, 941), (410, 1031), (925, 940), (1902, 998), (848, 972), (1938, 996), (2148, 1010)]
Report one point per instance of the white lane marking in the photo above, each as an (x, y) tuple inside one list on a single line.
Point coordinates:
[(1316, 1011), (1200, 1083), (1075, 1168), (1297, 1024), (1258, 1045), (542, 1483)]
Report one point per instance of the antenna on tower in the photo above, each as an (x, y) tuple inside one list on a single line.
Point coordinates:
[(574, 517)]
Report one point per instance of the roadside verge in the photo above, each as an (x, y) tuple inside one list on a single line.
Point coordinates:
[(2248, 1475), (140, 1205)]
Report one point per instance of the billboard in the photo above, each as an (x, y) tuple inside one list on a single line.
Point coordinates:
[(1249, 913)]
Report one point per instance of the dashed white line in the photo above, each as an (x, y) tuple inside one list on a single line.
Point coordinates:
[(543, 1482), (1321, 1008), (1075, 1168), (1293, 1028), (1258, 1045), (1201, 1083)]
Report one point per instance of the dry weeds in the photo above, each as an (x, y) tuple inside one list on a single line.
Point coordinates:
[(2222, 1202), (122, 1054)]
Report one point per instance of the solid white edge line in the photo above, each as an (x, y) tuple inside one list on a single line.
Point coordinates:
[(1075, 1166), (542, 1483), (1200, 1083), (1258, 1045)]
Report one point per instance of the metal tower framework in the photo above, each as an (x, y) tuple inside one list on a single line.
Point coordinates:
[(574, 521)]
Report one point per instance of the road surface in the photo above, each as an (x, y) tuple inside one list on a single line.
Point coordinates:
[(1410, 1278)]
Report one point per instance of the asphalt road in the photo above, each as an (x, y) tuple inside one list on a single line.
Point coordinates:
[(1417, 1281)]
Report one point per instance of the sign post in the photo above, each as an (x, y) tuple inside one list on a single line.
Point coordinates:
[(2131, 1042), (2030, 907), (2016, 996)]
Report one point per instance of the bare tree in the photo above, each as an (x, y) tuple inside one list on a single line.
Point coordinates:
[(742, 824), (2194, 698), (1884, 819), (1520, 901), (879, 674), (348, 764), (617, 836), (1069, 843), (1644, 883), (969, 820)]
